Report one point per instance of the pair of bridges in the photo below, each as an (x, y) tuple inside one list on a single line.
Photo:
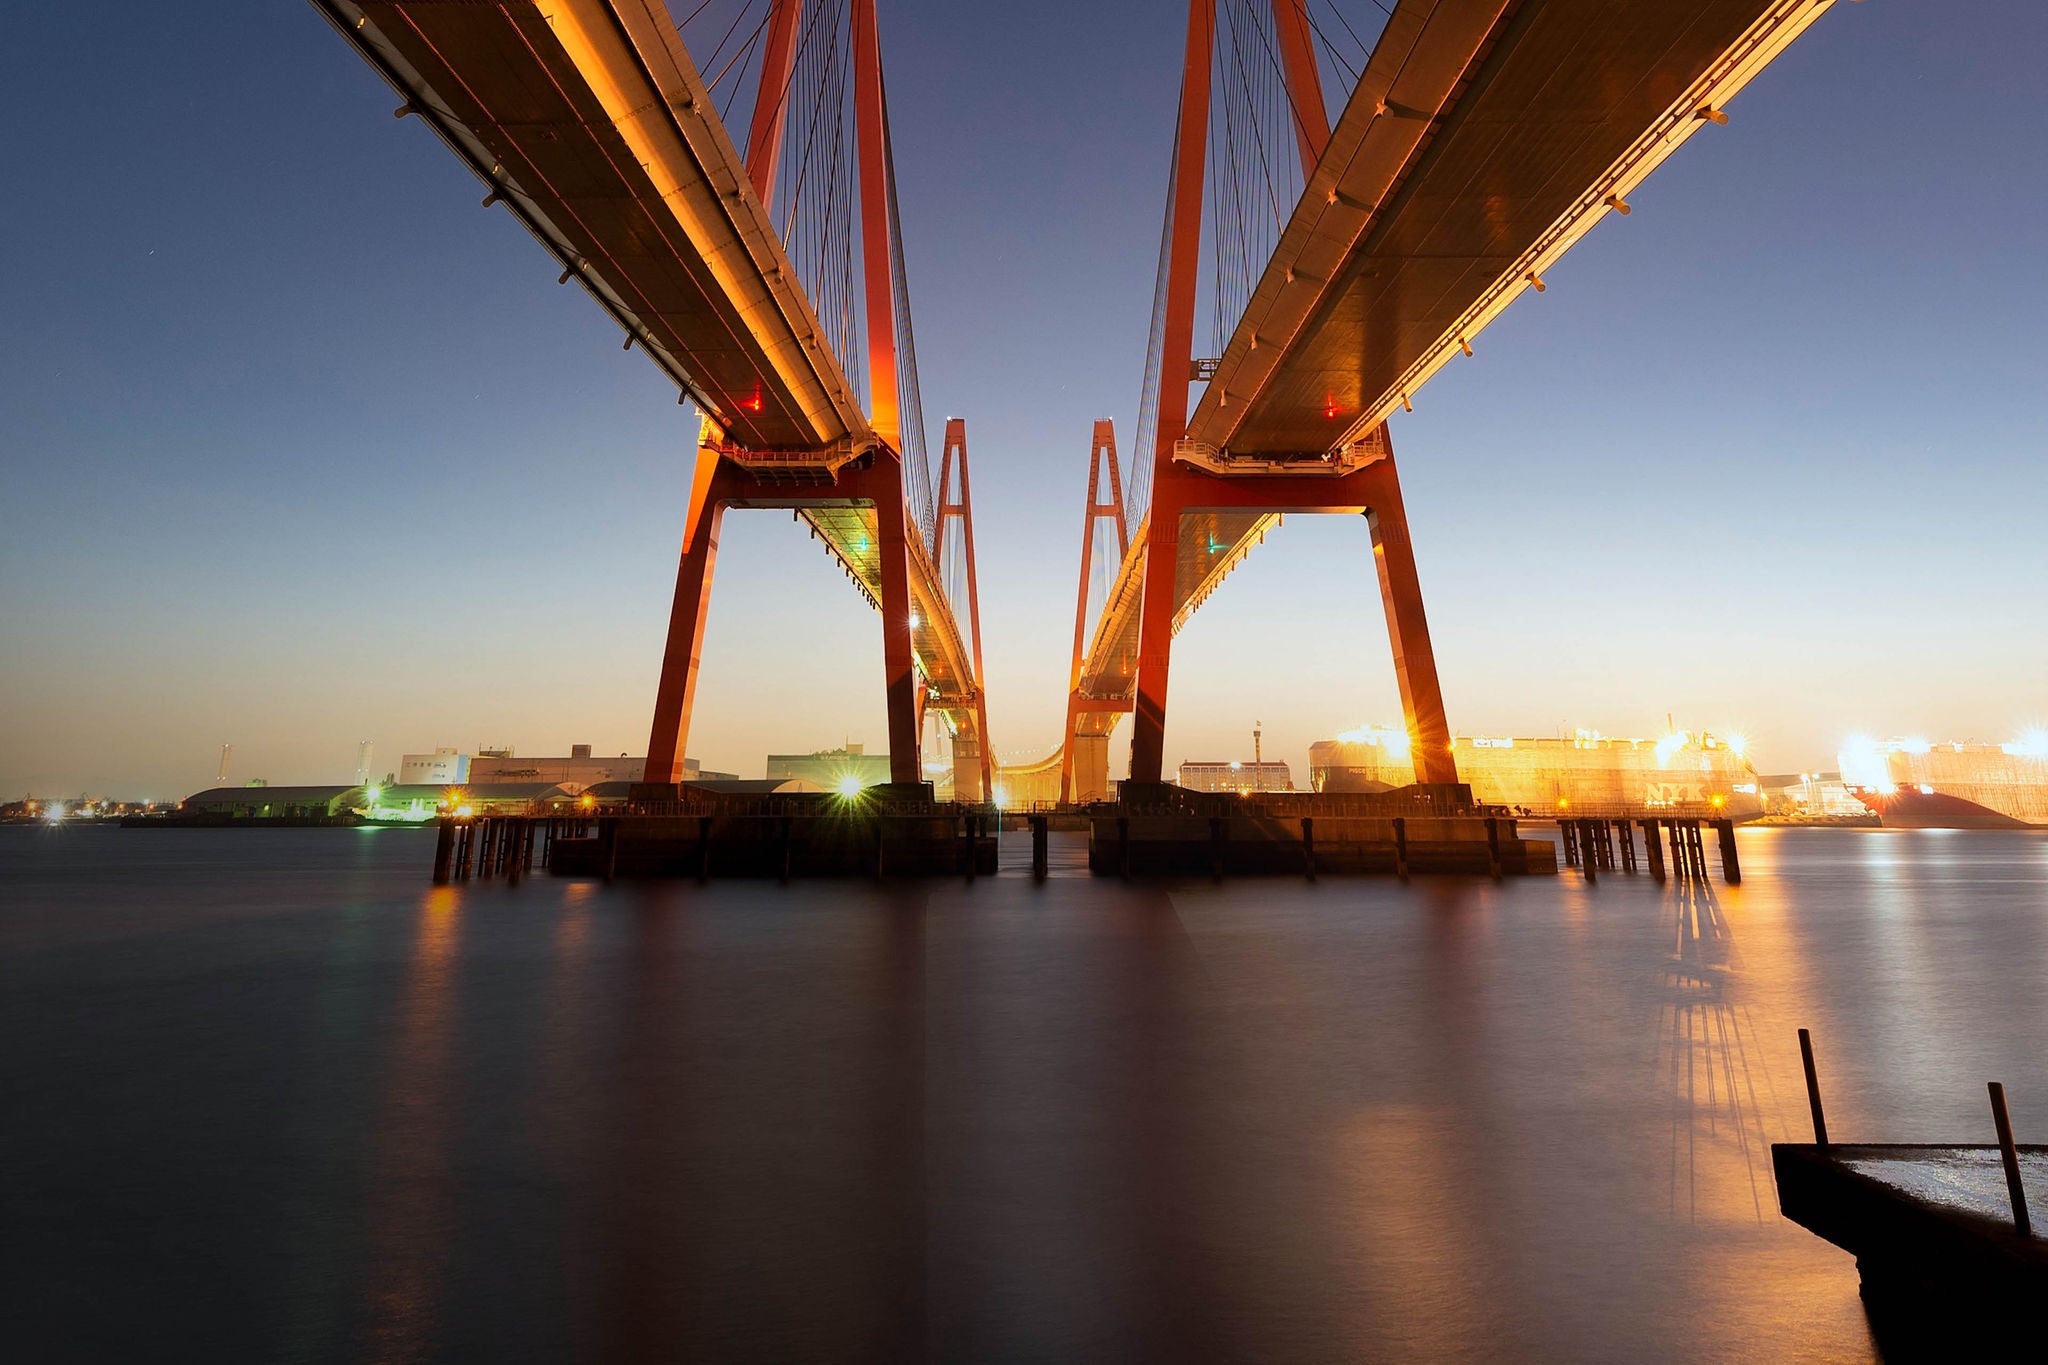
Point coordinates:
[(1346, 262)]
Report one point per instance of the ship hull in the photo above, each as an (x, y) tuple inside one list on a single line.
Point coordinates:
[(1911, 808)]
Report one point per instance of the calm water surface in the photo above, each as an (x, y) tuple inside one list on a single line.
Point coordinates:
[(267, 1096)]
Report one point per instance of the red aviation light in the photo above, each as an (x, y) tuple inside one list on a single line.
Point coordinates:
[(1329, 406)]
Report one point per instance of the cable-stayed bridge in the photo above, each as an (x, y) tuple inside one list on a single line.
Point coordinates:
[(769, 287), (1343, 263)]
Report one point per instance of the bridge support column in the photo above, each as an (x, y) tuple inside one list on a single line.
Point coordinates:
[(1422, 697), (1088, 760), (677, 690), (967, 770), (899, 664)]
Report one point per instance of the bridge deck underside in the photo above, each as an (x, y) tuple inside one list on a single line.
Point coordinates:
[(589, 120), (637, 188), (1479, 145)]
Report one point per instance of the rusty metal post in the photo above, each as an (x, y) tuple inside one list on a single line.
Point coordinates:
[(1820, 1122), (2010, 1155)]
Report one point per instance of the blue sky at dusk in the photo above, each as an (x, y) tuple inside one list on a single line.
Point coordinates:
[(300, 446)]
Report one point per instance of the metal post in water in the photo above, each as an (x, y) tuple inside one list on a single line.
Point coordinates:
[(608, 839), (1653, 849), (1820, 1122), (1587, 858), (1308, 845), (1038, 850), (444, 851), (2010, 1155), (1731, 866), (1401, 847)]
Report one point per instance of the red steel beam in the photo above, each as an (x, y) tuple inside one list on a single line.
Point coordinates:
[(956, 451), (771, 97), (1162, 540), (676, 692), (899, 662), (1304, 81), (1101, 451)]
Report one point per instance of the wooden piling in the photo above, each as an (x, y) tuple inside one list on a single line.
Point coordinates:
[(1308, 846), (1568, 838), (2010, 1155), (1653, 850), (1731, 866), (1401, 847), (526, 846), (1492, 846), (1038, 849), (444, 851), (1820, 1122), (1678, 861), (515, 866), (465, 838), (1588, 860), (608, 841)]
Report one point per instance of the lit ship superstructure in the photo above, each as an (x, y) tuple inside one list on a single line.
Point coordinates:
[(1912, 784), (1688, 774)]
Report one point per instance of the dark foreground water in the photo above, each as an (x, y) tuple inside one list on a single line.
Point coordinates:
[(269, 1097)]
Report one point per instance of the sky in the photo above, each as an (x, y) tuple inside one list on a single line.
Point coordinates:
[(300, 447)]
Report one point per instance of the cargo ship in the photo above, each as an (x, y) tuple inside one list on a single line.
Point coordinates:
[(1586, 773), (1912, 784)]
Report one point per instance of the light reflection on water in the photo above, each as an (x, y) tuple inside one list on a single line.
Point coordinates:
[(288, 1103)]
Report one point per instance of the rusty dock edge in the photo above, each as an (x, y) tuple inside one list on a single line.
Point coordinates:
[(1913, 1255)]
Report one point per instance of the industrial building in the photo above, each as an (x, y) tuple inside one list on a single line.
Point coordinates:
[(1587, 772), (831, 769), (1270, 776), (488, 767)]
